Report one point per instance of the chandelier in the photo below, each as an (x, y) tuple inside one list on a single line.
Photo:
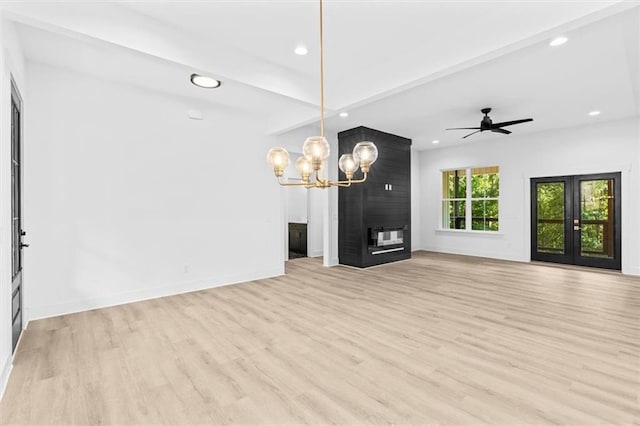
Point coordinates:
[(316, 150)]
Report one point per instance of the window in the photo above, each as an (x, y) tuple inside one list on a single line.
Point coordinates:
[(454, 198), (470, 198)]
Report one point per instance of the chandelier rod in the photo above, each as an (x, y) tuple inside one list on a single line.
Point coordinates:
[(321, 75)]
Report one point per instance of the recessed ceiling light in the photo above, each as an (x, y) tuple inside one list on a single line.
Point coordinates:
[(344, 114), (205, 82), (301, 50), (558, 41), (593, 113), (435, 142)]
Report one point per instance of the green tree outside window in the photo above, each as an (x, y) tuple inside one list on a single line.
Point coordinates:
[(471, 193)]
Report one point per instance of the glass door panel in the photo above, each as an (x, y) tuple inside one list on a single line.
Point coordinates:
[(596, 206), (551, 210), (550, 218), (597, 232)]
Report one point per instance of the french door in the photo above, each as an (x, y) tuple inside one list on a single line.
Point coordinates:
[(576, 220)]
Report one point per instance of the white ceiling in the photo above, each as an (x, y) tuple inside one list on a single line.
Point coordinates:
[(597, 69), (406, 67)]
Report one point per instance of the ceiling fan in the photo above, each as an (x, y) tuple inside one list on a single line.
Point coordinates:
[(487, 124)]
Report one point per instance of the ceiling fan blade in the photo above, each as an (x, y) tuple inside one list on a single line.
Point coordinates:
[(472, 133), (464, 128), (498, 130), (511, 123)]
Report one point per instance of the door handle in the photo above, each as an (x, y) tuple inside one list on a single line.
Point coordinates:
[(23, 233)]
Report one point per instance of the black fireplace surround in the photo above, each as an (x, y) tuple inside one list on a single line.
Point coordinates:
[(374, 223)]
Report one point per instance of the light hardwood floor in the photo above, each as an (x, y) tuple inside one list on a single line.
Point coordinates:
[(437, 339)]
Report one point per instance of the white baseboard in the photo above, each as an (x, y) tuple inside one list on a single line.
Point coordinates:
[(632, 270), (475, 253), (47, 311), (332, 262), (4, 376)]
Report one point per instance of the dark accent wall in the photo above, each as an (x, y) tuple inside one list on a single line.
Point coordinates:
[(383, 201)]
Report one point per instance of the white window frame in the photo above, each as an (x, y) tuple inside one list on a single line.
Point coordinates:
[(468, 200)]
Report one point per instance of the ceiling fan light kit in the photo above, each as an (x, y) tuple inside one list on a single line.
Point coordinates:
[(488, 125)]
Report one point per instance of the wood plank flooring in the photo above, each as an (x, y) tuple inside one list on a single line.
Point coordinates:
[(439, 339)]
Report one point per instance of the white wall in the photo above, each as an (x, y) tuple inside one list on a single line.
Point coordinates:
[(11, 64), (296, 201), (605, 147), (126, 198), (315, 223), (296, 196)]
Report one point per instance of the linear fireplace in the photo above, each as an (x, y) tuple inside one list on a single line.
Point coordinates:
[(386, 239)]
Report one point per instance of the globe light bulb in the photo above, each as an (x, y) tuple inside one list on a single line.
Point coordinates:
[(278, 158), (348, 164), (304, 167), (366, 153), (316, 149)]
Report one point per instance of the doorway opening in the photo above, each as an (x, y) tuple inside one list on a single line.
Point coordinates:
[(297, 218), (576, 220)]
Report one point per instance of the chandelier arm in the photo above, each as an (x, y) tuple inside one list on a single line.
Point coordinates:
[(305, 184), (350, 181), (318, 180)]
